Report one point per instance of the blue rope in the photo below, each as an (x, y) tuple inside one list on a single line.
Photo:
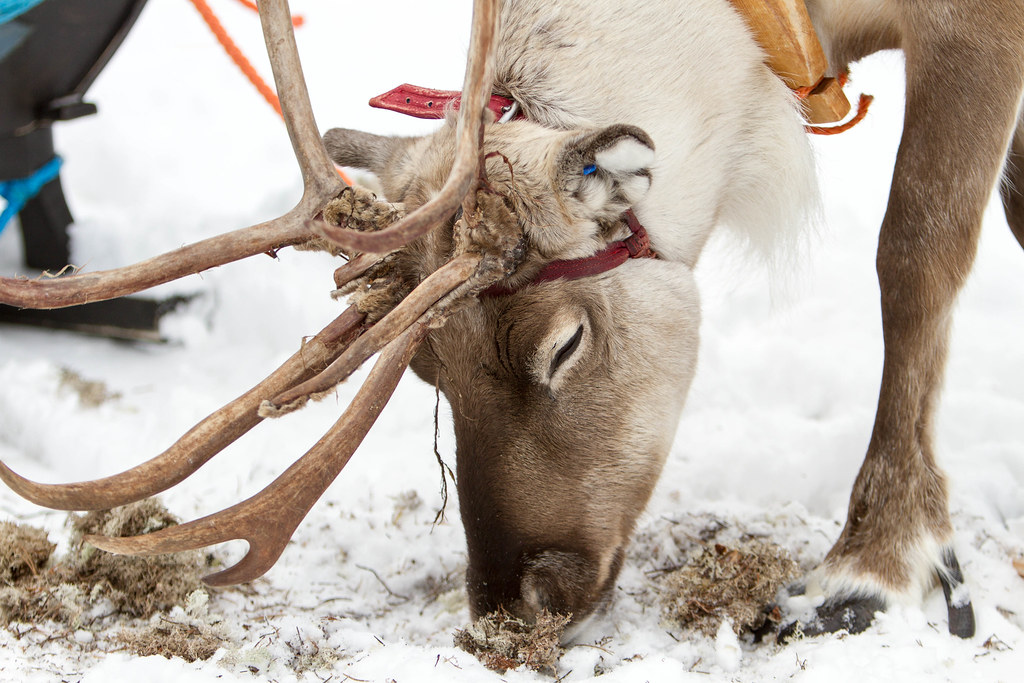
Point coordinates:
[(9, 9), (19, 191)]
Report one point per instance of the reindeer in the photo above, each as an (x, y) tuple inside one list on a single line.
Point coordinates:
[(641, 132)]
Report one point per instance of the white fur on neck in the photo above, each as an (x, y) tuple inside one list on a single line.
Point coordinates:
[(731, 149)]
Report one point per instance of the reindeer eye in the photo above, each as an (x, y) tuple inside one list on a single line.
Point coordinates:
[(457, 215), (567, 350)]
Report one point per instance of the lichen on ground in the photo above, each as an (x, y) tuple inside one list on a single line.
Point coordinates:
[(24, 551), (169, 639), (720, 583), (86, 583), (137, 586), (91, 393), (503, 642)]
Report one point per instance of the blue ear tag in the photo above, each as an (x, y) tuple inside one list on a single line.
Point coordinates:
[(589, 168)]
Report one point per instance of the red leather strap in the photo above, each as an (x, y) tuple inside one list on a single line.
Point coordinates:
[(637, 245), (427, 103)]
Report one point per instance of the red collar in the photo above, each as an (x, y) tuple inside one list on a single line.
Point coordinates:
[(426, 103), (637, 245)]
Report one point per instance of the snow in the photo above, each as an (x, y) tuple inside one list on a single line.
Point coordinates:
[(369, 589), (727, 648)]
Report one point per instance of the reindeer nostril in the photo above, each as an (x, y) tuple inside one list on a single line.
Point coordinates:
[(560, 582)]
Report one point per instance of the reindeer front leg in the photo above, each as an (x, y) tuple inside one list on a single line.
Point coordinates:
[(964, 81)]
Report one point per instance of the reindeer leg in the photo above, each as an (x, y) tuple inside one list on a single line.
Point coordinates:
[(964, 81), (1012, 189)]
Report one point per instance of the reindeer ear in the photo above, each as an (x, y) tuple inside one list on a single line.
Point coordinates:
[(618, 149), (355, 148), (609, 169)]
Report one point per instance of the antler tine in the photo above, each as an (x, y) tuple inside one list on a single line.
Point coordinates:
[(199, 444), (476, 92), (72, 290), (353, 269), (438, 284), (268, 519), (318, 176), (320, 183)]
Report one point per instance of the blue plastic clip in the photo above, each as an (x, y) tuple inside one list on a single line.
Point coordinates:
[(9, 9), (19, 191)]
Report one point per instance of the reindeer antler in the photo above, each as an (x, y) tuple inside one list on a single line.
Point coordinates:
[(320, 184), (268, 519), (476, 92)]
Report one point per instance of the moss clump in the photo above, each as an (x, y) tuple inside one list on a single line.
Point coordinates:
[(91, 394), (504, 642), (137, 586), (170, 639), (738, 584), (24, 552), (67, 590)]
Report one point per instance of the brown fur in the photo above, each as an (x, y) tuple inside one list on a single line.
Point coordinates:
[(555, 464), (965, 74)]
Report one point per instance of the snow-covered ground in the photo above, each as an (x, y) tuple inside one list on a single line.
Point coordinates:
[(772, 436)]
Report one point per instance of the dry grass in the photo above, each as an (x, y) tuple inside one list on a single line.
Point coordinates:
[(137, 586), (735, 584), (170, 639), (503, 642), (35, 588), (91, 394), (24, 552)]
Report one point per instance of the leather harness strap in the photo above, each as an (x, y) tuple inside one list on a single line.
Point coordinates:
[(637, 245), (427, 103)]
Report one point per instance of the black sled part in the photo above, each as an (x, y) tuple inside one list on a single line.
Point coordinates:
[(127, 318), (49, 56)]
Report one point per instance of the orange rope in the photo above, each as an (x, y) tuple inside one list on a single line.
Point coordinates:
[(242, 62), (803, 92), (297, 20), (863, 104), (862, 111), (236, 55)]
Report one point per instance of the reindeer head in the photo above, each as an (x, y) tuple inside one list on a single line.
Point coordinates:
[(564, 394)]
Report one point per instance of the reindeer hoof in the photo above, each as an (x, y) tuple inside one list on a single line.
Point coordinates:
[(855, 614), (958, 599), (852, 615)]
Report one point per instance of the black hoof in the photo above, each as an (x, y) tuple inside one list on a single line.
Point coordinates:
[(856, 614), (852, 615), (958, 600)]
